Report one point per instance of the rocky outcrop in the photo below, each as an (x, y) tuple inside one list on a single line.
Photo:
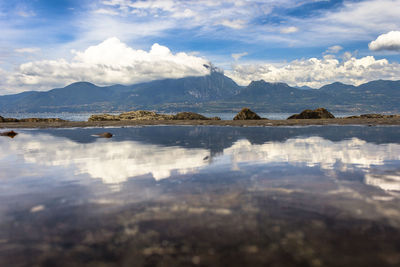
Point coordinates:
[(373, 116), (11, 134), (2, 119), (149, 115), (41, 120), (132, 115), (246, 114), (319, 113), (193, 116)]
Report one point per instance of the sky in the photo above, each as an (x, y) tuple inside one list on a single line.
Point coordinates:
[(46, 44)]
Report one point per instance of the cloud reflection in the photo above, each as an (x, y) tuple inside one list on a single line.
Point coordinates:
[(115, 162)]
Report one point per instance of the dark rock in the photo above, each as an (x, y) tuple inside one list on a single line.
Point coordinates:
[(11, 134), (246, 114), (10, 120), (41, 120), (192, 116), (373, 116), (319, 113), (105, 135), (2, 119)]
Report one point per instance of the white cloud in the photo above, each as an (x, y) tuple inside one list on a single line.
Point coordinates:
[(110, 62), (27, 50), (239, 55), (234, 24), (334, 49), (106, 11), (288, 30), (316, 72), (388, 41)]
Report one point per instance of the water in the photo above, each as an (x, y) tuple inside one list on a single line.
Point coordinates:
[(85, 116), (198, 195)]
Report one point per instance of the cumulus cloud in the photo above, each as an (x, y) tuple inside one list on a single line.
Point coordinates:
[(316, 72), (109, 62), (388, 41), (288, 30)]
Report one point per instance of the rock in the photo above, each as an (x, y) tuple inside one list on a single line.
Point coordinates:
[(373, 116), (192, 116), (2, 119), (41, 120), (132, 115), (11, 134), (105, 135), (319, 113), (144, 115), (246, 114), (10, 120), (103, 117)]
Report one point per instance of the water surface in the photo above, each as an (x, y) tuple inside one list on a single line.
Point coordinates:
[(201, 196)]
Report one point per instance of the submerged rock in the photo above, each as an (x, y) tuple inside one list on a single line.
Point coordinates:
[(246, 114), (192, 116), (373, 116), (11, 134), (319, 113), (105, 135)]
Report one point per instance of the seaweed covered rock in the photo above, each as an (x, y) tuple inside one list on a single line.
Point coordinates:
[(131, 115), (319, 113), (373, 116), (192, 116), (144, 115), (103, 117), (1, 119), (41, 120), (246, 114)]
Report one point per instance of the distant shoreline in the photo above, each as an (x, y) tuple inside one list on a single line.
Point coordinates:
[(264, 123)]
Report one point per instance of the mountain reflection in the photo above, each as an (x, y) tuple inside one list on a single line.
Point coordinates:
[(114, 162)]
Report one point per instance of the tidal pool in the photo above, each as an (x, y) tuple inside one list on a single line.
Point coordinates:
[(201, 196)]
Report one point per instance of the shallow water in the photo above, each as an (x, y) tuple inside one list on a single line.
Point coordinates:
[(201, 196)]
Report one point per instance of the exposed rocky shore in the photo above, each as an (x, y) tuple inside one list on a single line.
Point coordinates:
[(245, 117), (2, 119), (150, 116)]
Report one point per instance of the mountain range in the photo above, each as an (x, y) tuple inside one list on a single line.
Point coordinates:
[(212, 93)]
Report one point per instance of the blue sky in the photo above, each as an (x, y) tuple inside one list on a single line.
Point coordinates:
[(46, 44)]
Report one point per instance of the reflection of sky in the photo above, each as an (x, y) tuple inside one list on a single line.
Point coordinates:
[(115, 162)]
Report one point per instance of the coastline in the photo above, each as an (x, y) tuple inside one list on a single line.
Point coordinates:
[(264, 123)]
